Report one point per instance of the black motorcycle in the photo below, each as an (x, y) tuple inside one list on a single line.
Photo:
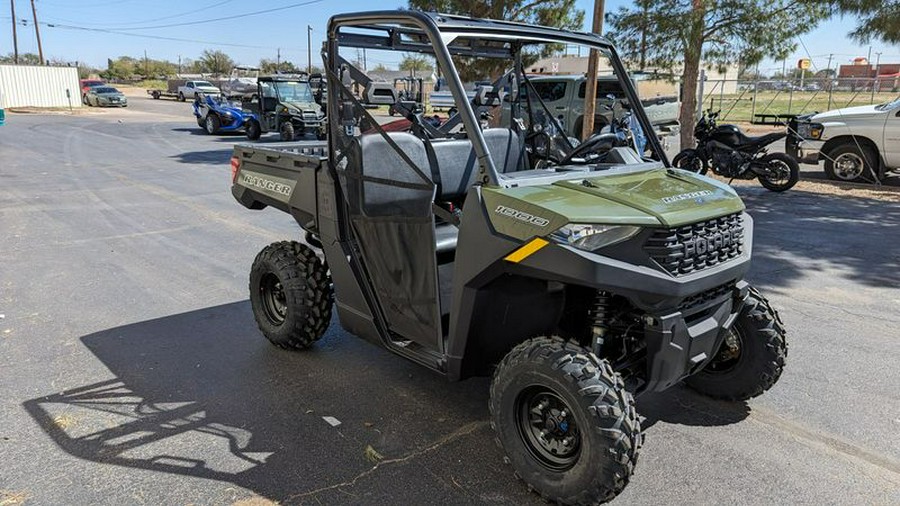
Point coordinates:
[(730, 153)]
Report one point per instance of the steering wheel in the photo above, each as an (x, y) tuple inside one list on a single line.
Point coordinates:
[(592, 145)]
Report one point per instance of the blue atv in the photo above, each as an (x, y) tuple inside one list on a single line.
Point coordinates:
[(218, 114)]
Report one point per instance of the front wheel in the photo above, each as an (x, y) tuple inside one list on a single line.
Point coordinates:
[(689, 159), (290, 294), (253, 130), (751, 357), (287, 131), (783, 172), (568, 427), (212, 124), (851, 162)]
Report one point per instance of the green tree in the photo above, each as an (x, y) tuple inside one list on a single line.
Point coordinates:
[(215, 62), (680, 34), (381, 67), (24, 59), (876, 19), (267, 66), (415, 63), (555, 13)]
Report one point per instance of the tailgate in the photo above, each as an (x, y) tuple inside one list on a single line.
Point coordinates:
[(280, 175)]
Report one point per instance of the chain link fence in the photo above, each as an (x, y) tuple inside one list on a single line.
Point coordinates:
[(774, 102)]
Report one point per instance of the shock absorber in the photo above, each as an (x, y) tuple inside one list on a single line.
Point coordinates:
[(599, 315)]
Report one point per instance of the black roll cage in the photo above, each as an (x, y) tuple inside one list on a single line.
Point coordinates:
[(446, 35)]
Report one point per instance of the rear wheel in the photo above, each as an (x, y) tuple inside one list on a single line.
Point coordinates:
[(565, 421), (180, 96), (212, 124), (783, 172), (253, 130), (291, 294), (689, 159), (750, 359), (851, 162)]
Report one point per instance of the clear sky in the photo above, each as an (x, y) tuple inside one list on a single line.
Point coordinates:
[(140, 25)]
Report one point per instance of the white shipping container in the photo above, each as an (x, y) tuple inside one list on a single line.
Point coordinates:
[(36, 86)]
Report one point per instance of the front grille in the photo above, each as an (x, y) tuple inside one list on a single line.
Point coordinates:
[(690, 248), (702, 298)]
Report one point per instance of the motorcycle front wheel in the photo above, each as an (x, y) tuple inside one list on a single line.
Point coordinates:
[(689, 159), (783, 172)]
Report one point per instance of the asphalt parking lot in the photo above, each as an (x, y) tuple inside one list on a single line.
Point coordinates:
[(132, 372)]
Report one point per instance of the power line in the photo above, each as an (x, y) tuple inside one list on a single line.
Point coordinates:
[(213, 20), (130, 23), (148, 36)]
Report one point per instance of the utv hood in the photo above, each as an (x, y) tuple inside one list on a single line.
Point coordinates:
[(671, 197), (650, 198)]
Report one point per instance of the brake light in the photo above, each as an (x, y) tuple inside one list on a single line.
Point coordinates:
[(235, 167)]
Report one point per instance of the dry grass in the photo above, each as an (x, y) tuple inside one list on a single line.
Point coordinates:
[(739, 107), (256, 501), (64, 421), (10, 498)]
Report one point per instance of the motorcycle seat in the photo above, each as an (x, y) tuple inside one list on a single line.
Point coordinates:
[(760, 141)]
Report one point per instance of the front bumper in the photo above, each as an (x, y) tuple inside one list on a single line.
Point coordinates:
[(686, 316)]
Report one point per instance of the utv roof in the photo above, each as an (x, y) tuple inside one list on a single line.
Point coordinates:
[(486, 37)]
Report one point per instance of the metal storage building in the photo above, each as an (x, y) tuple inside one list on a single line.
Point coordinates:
[(38, 86)]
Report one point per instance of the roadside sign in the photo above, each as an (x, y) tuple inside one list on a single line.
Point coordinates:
[(804, 63)]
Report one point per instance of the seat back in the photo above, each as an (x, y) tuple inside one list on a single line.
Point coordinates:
[(457, 164), (385, 184)]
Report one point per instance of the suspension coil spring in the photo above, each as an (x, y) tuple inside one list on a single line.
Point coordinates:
[(599, 314)]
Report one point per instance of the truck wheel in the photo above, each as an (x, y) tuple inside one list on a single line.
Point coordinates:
[(688, 159), (751, 357), (568, 427), (287, 132), (784, 172), (212, 124), (291, 294), (180, 96), (851, 163)]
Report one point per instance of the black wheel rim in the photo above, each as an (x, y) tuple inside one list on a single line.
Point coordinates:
[(729, 355), (273, 298), (547, 428), (779, 173)]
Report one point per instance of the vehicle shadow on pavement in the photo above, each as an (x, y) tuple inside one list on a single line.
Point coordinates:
[(213, 156), (229, 136), (798, 233), (680, 405), (202, 394)]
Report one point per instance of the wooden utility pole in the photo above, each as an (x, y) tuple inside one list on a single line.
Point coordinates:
[(12, 6), (37, 33), (590, 92)]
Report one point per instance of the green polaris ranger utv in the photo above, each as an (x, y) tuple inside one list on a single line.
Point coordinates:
[(577, 274)]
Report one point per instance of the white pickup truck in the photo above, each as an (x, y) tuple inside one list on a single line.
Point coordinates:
[(856, 143)]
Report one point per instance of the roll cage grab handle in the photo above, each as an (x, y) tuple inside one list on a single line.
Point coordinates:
[(487, 172)]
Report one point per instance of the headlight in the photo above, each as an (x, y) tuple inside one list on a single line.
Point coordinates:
[(810, 130), (593, 237)]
